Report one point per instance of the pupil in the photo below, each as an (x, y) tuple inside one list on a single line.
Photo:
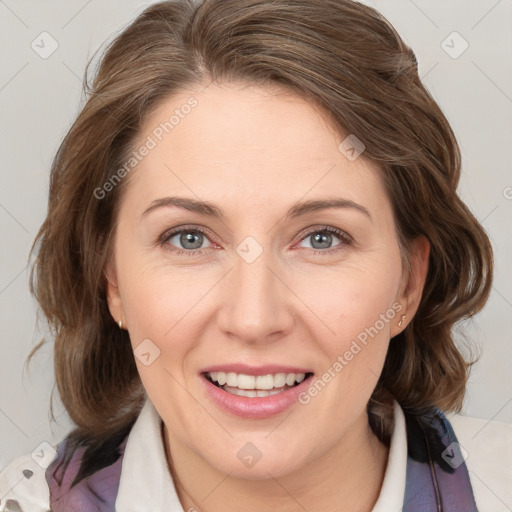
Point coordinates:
[(189, 238), (323, 237)]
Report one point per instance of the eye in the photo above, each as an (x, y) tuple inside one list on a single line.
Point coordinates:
[(187, 240), (190, 240), (322, 239)]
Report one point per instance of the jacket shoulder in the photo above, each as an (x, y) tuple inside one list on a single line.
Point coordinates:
[(487, 448), (23, 486)]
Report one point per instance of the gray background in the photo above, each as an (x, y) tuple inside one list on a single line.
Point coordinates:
[(39, 98)]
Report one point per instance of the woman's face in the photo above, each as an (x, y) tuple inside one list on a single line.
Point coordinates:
[(255, 282)]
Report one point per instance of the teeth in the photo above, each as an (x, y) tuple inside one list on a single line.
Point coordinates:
[(246, 382), (252, 392), (232, 379), (300, 377), (290, 379), (280, 380), (243, 392), (261, 383), (264, 382)]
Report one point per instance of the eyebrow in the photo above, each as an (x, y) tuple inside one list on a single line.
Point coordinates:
[(297, 210)]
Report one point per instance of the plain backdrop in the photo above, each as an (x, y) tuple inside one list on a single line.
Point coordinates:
[(468, 73)]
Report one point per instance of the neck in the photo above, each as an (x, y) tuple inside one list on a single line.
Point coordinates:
[(347, 477)]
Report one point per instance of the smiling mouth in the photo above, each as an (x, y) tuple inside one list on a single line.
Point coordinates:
[(255, 386)]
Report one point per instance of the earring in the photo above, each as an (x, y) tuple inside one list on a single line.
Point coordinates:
[(120, 324), (402, 320)]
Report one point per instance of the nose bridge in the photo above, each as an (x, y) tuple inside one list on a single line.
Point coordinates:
[(256, 303)]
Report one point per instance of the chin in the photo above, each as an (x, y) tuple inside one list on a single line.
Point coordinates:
[(260, 467)]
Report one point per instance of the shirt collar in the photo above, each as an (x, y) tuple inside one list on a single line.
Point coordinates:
[(392, 492), (146, 482)]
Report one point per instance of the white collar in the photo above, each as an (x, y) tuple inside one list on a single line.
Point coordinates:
[(146, 482), (392, 492)]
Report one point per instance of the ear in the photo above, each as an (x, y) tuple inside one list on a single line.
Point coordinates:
[(115, 304), (413, 282)]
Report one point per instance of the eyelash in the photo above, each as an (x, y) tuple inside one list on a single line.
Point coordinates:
[(345, 240)]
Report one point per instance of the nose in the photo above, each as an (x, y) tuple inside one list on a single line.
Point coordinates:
[(257, 305)]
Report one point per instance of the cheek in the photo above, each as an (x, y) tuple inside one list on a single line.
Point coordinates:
[(154, 294), (359, 305), (355, 298), (164, 321), (169, 305), (360, 309)]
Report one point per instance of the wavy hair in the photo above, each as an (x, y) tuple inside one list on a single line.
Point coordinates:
[(349, 61)]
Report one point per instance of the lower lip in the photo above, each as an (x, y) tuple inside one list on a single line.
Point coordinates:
[(254, 407)]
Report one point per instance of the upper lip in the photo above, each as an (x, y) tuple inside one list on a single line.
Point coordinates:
[(266, 369)]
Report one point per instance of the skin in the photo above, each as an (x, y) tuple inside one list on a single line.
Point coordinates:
[(255, 152)]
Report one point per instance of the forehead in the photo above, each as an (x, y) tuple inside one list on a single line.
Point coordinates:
[(236, 119), (246, 143)]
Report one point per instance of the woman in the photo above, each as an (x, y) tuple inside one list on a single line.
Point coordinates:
[(253, 259)]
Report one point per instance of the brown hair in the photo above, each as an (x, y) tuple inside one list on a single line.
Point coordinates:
[(338, 54)]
